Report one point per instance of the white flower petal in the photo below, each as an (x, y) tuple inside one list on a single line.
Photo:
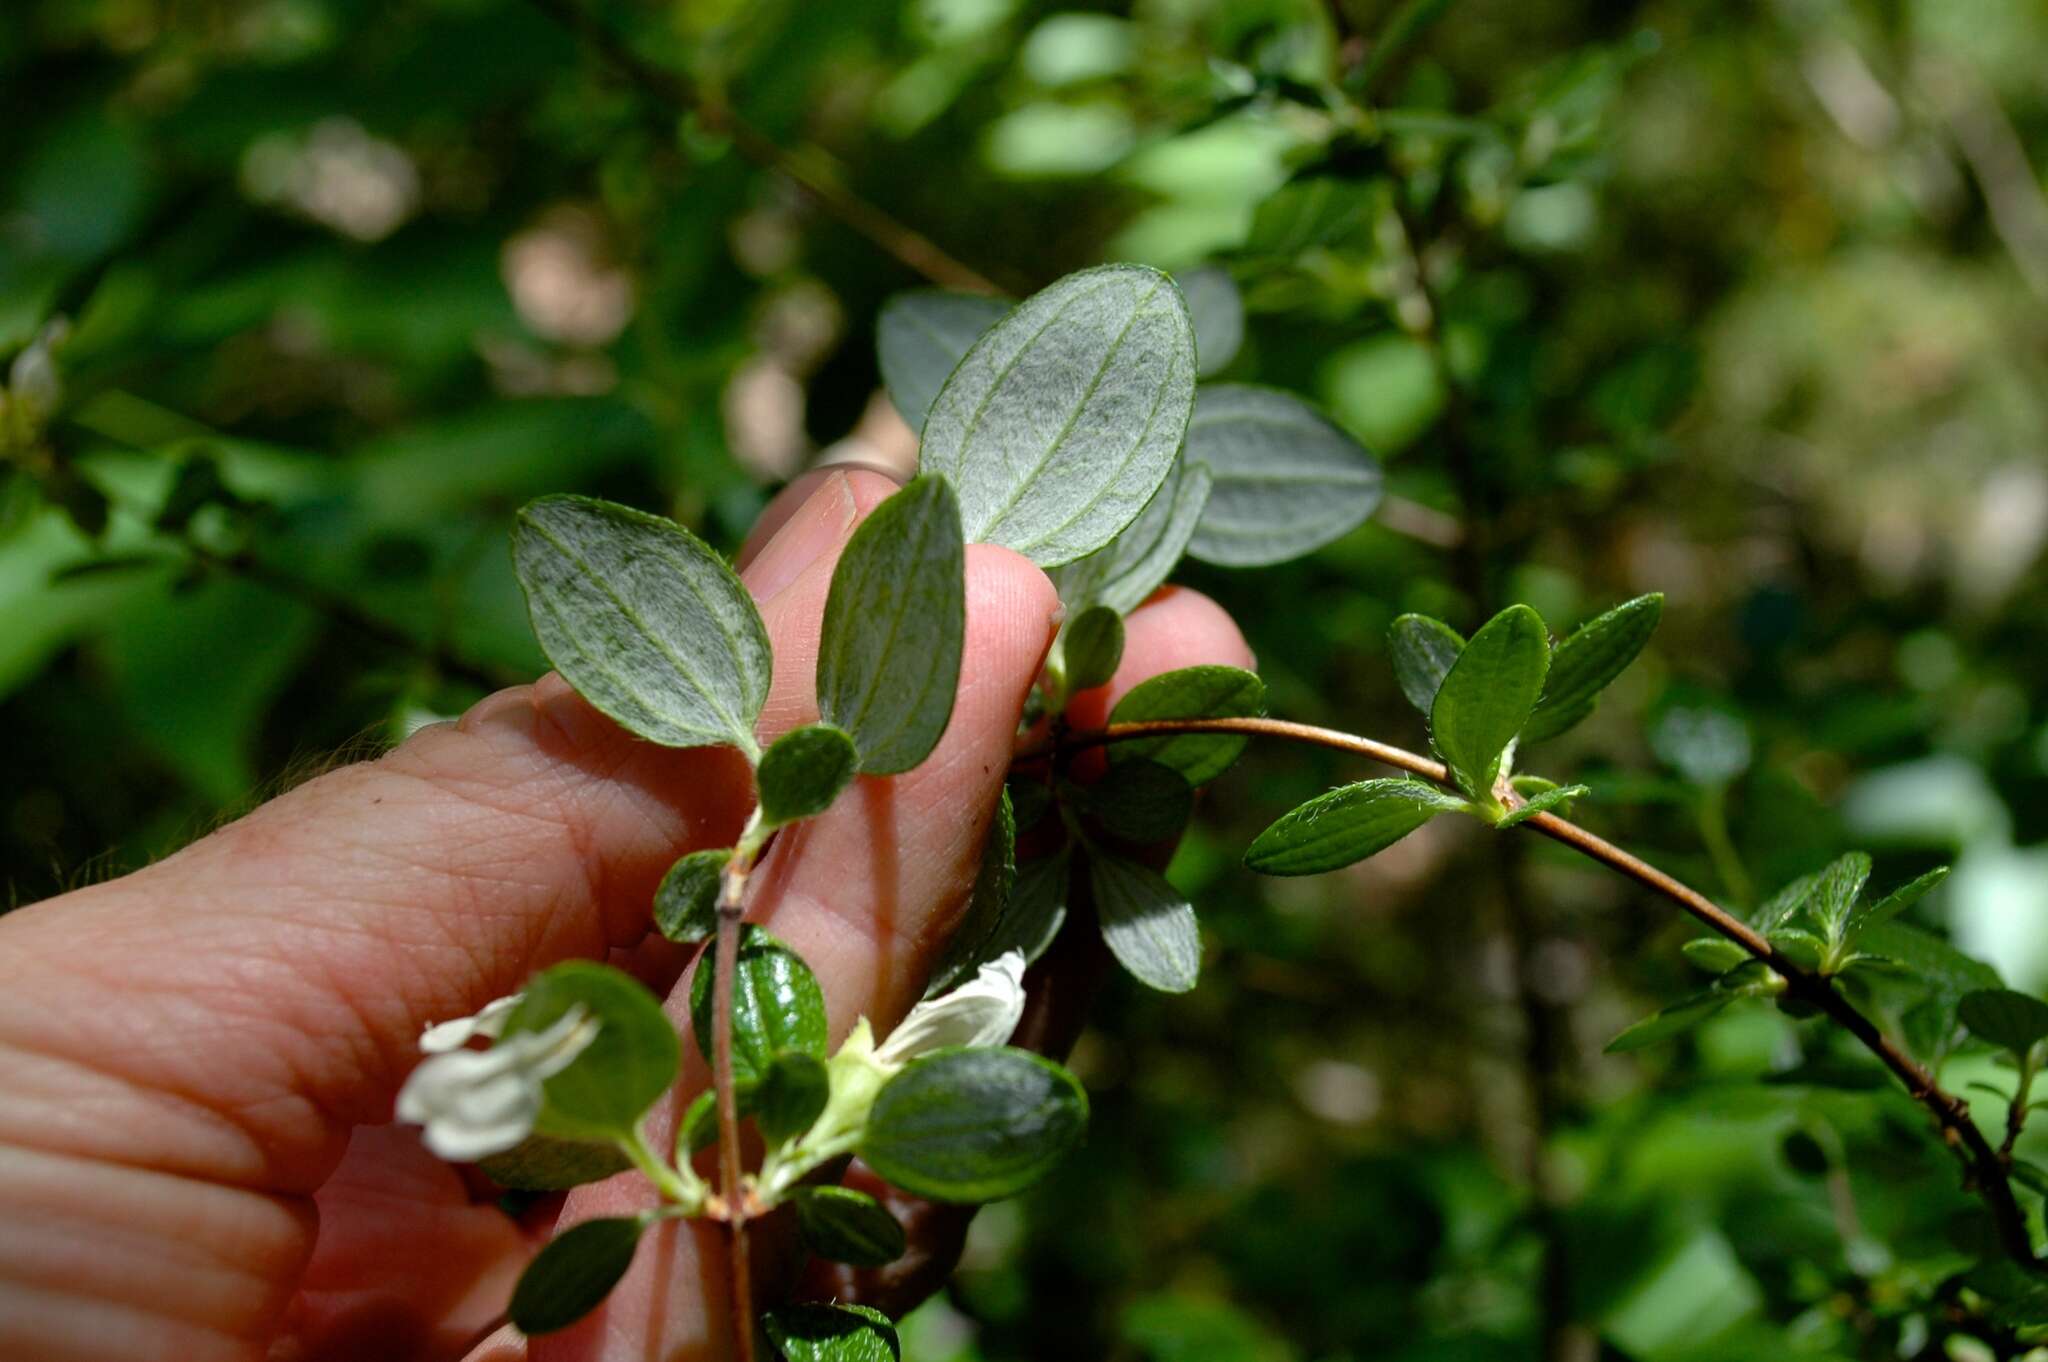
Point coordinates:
[(475, 1103), (983, 1011), (453, 1035)]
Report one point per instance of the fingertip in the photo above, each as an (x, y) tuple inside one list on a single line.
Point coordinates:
[(1011, 606)]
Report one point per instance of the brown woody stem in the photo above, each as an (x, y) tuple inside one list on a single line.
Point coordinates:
[(1986, 1172), (725, 962)]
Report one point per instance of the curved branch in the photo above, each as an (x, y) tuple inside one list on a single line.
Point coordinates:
[(1985, 1170)]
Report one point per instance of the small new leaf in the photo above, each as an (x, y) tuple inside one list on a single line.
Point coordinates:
[(1550, 801), (1714, 954), (1587, 663), (1424, 651), (1866, 916), (1347, 825), (686, 900), (1206, 692), (1062, 421), (1094, 645), (921, 337), (644, 620), (577, 1270), (1149, 925), (1835, 890), (1286, 480), (895, 619), (2007, 1018), (848, 1226), (776, 1005), (803, 772), (631, 1061), (973, 1125), (1674, 1020), (1486, 697)]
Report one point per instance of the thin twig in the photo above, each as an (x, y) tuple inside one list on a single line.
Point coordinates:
[(911, 248), (731, 908), (1986, 1172)]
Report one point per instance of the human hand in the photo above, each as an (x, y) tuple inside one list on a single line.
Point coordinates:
[(198, 1061)]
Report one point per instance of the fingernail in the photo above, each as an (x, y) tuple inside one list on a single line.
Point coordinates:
[(817, 527)]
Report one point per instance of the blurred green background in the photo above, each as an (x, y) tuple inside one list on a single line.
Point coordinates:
[(1745, 302)]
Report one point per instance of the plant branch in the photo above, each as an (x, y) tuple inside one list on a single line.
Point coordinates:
[(1986, 1172), (814, 175), (732, 892)]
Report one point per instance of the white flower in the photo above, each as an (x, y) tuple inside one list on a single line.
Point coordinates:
[(475, 1103), (983, 1011), (453, 1035)]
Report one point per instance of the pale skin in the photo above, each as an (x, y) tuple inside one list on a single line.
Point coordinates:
[(198, 1061)]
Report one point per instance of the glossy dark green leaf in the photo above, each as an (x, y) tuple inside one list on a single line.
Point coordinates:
[(632, 1060), (1136, 801), (1424, 651), (644, 620), (2007, 1018), (1866, 916), (1093, 645), (543, 1164), (832, 1333), (790, 1095), (1063, 420), (848, 1226), (1286, 481), (1550, 801), (994, 879), (776, 1005), (1206, 692), (921, 337), (1486, 697), (803, 772), (686, 900), (1124, 572), (1347, 825), (574, 1273), (895, 618), (1150, 926), (1587, 663), (1835, 891), (973, 1125), (1217, 311)]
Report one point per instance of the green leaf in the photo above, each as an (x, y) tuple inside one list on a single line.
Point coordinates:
[(1149, 925), (1835, 890), (1863, 918), (803, 772), (973, 1125), (1094, 645), (644, 620), (1136, 801), (1029, 920), (921, 337), (1587, 663), (686, 901), (1217, 312), (1205, 692), (2007, 1018), (574, 1273), (1550, 801), (776, 1005), (631, 1062), (967, 950), (699, 1127), (1784, 905), (848, 1226), (895, 618), (1287, 481), (1486, 697), (1347, 825), (832, 1333), (1800, 946), (790, 1095), (1930, 957), (1128, 569), (1064, 419), (1716, 955), (540, 1163), (1673, 1020), (1311, 211), (1424, 652)]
